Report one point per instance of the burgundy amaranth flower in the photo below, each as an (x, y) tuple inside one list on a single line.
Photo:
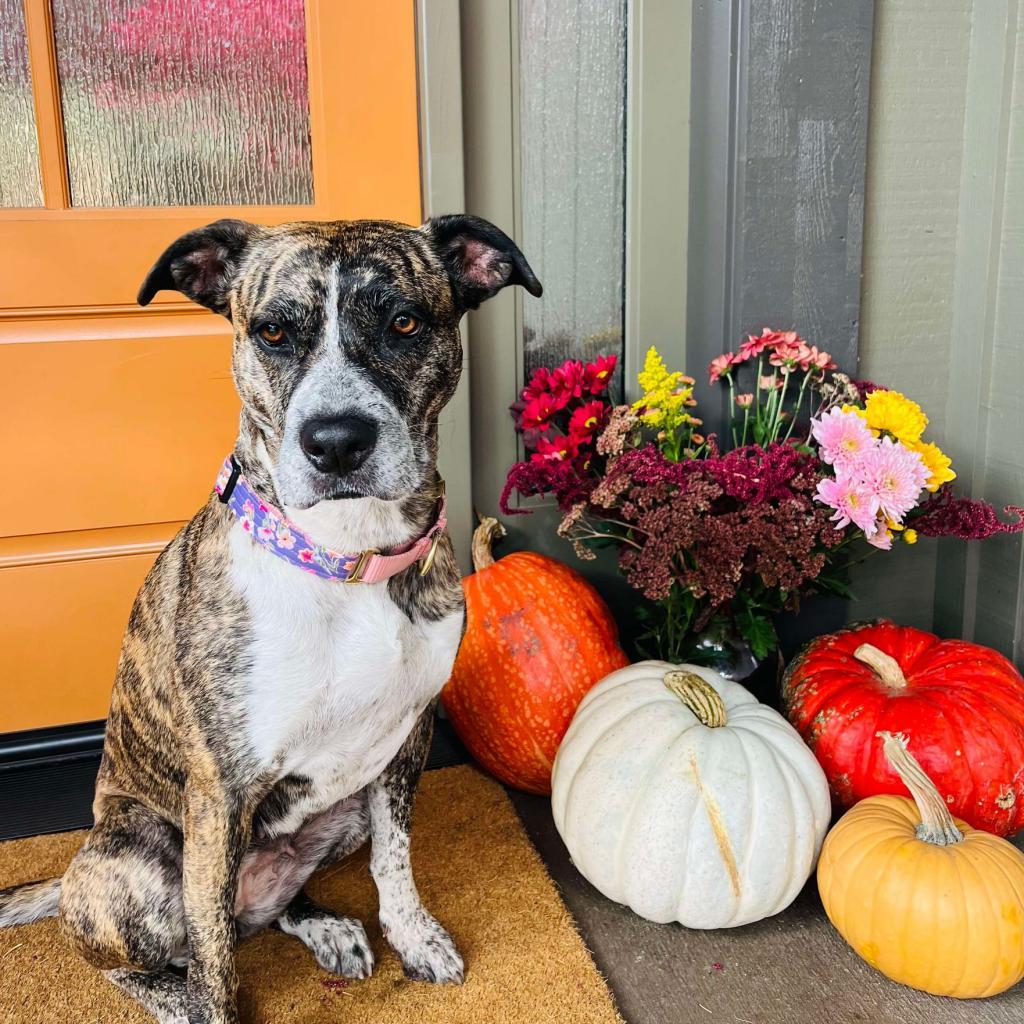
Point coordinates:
[(942, 515), (561, 478), (866, 387), (757, 475)]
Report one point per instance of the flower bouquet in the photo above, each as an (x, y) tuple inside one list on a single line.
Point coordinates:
[(720, 535)]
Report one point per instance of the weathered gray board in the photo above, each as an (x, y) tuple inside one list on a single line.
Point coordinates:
[(793, 968), (778, 155)]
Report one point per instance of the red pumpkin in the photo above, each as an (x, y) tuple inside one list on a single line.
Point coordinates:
[(961, 707), (537, 638)]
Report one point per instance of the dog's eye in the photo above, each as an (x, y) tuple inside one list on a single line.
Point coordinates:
[(405, 324), (272, 334)]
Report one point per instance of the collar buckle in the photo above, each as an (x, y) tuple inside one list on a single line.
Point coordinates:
[(356, 575)]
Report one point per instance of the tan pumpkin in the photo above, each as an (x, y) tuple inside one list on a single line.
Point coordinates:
[(920, 895)]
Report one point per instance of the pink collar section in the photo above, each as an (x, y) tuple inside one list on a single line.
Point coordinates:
[(270, 528)]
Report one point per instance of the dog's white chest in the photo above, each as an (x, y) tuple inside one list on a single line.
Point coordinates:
[(339, 675)]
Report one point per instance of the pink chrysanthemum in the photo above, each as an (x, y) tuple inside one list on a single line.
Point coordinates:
[(843, 438), (895, 476), (853, 502), (881, 538)]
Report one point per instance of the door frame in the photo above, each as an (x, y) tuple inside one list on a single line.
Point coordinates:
[(656, 216)]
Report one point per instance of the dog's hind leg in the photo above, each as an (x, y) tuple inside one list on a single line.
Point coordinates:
[(338, 943), (426, 950), (161, 994), (121, 905)]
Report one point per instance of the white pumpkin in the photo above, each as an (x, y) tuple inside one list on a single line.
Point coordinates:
[(681, 796)]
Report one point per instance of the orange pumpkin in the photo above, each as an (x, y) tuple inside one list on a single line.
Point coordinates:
[(538, 637)]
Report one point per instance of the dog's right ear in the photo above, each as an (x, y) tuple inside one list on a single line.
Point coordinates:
[(202, 264)]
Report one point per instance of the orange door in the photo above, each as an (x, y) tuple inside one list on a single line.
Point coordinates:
[(127, 123)]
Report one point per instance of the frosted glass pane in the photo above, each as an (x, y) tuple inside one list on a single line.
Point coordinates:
[(184, 102), (20, 184), (572, 64)]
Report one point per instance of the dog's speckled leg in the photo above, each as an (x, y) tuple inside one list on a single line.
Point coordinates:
[(338, 943), (161, 993), (426, 950)]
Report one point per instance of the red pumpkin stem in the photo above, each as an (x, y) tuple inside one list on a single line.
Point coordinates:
[(886, 667), (937, 826), (484, 536)]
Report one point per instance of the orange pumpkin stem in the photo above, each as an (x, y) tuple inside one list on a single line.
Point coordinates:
[(886, 667), (937, 826), (699, 696), (484, 536)]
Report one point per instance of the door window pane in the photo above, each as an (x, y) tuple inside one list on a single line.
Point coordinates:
[(572, 73), (184, 102), (20, 183)]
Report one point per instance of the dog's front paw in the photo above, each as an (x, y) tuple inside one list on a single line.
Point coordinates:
[(338, 943), (426, 950)]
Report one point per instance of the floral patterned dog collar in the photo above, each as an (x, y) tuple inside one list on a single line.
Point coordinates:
[(270, 528)]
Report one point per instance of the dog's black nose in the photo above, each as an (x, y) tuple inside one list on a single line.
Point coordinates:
[(338, 445)]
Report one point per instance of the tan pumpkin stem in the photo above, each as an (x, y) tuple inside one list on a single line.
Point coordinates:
[(699, 696), (886, 667), (484, 536), (937, 826)]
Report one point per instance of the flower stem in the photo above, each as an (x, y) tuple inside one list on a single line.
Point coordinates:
[(799, 402), (732, 408)]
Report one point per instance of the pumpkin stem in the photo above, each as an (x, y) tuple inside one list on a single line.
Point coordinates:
[(484, 536), (937, 826), (886, 667), (699, 696)]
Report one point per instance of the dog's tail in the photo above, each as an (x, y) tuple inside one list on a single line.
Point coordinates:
[(23, 904)]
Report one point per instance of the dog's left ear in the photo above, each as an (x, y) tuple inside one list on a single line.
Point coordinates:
[(480, 258), (202, 264)]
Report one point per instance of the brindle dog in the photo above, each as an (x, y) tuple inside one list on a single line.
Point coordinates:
[(265, 722)]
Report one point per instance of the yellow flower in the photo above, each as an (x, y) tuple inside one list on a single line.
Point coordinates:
[(910, 536), (897, 414), (937, 463), (666, 395)]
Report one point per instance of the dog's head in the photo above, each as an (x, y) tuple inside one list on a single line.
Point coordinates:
[(346, 338)]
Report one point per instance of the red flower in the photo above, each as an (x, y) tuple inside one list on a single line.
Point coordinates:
[(597, 376), (556, 449), (540, 384), (588, 419), (538, 412), (567, 382), (306, 554)]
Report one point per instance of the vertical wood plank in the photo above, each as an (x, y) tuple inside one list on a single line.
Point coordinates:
[(778, 166)]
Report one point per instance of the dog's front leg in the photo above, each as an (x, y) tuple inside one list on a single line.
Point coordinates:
[(426, 950), (216, 833)]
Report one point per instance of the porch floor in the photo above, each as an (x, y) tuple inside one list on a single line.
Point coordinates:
[(791, 969)]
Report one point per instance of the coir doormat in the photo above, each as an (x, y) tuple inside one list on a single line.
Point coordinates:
[(477, 873)]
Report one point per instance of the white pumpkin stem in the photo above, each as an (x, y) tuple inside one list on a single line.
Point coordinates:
[(886, 667), (699, 696), (937, 826), (484, 536)]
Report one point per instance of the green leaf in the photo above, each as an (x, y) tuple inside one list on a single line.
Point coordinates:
[(759, 631)]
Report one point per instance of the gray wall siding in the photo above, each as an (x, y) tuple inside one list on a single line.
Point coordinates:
[(915, 136), (943, 297)]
